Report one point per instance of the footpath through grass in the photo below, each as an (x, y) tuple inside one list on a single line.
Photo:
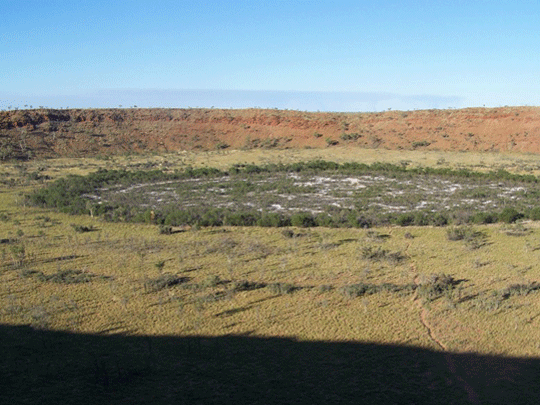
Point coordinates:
[(100, 311)]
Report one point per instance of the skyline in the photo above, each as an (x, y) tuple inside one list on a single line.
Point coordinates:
[(304, 55), (235, 99)]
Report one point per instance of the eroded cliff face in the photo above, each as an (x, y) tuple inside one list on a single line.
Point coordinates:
[(26, 134)]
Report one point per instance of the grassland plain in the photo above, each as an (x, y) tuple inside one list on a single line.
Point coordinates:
[(380, 286)]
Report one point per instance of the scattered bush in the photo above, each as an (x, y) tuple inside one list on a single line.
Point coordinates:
[(241, 219), (419, 144), (160, 265), (67, 277), (376, 236), (288, 233), (273, 220), (165, 230), (282, 288), (27, 273), (244, 285), (515, 230), (303, 219), (325, 288), (484, 218), (70, 195), (510, 215), (494, 300), (438, 219), (435, 285), (378, 254), (18, 253), (350, 137), (461, 233), (473, 239), (163, 281), (82, 228), (405, 219), (534, 214), (331, 142), (358, 290), (211, 281), (520, 289)]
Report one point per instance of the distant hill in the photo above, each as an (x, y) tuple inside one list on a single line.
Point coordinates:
[(49, 133)]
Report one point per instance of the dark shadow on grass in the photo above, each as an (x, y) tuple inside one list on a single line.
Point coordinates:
[(467, 298), (189, 270), (349, 240), (39, 366), (61, 258)]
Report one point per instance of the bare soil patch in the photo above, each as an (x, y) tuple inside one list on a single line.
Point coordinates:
[(58, 133)]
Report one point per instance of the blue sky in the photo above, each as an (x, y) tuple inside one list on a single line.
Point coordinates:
[(305, 55)]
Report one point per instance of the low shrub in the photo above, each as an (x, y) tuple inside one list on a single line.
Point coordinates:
[(419, 144), (288, 233), (241, 219), (461, 233), (484, 218), (331, 142), (303, 219), (350, 137), (27, 273), (534, 214), (160, 265), (473, 239), (325, 288), (67, 277), (405, 219), (358, 290), (438, 219), (165, 230), (245, 285), (211, 281), (517, 230), (510, 215), (378, 254), (163, 281), (273, 220), (325, 220), (82, 228), (435, 285), (282, 288), (520, 289), (211, 218)]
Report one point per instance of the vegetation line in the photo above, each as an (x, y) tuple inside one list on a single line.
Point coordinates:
[(305, 194)]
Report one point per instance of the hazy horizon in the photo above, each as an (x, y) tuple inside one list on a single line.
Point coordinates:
[(284, 100), (304, 55)]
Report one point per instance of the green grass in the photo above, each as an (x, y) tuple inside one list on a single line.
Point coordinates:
[(91, 313), (303, 194)]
